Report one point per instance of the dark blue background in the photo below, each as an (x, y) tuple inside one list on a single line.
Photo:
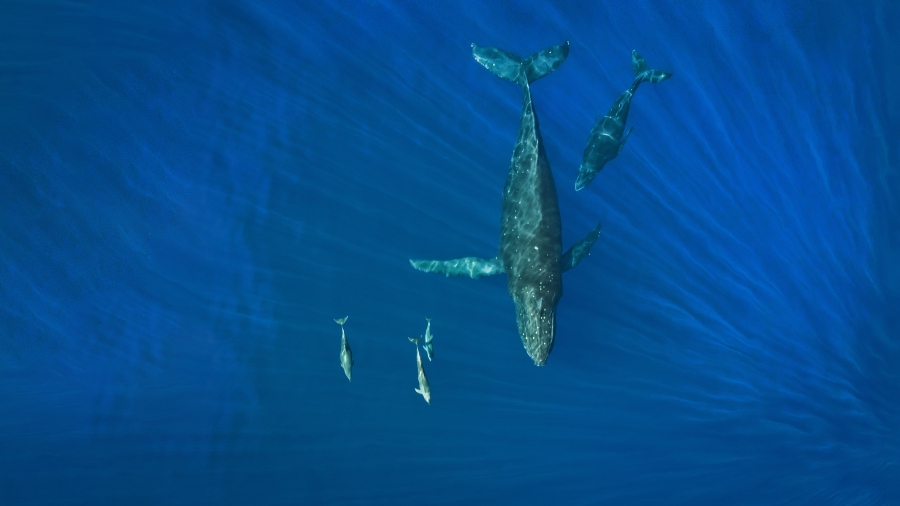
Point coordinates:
[(190, 192)]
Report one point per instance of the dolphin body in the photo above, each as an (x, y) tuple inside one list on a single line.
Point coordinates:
[(606, 140), (428, 346), (346, 353), (530, 226), (424, 388)]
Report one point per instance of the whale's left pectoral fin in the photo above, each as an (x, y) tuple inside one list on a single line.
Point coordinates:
[(580, 249), (468, 266)]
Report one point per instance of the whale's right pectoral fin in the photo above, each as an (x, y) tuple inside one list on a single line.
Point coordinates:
[(468, 266), (580, 250)]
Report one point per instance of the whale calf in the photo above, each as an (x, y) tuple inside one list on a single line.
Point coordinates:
[(346, 353), (606, 140), (530, 252)]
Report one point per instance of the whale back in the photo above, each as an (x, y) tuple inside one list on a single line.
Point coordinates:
[(531, 237)]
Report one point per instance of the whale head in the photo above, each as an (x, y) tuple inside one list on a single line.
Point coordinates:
[(536, 318), (600, 153), (584, 178)]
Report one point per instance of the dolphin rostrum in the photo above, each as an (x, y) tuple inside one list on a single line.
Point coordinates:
[(606, 139), (530, 228), (428, 347), (346, 354), (424, 388)]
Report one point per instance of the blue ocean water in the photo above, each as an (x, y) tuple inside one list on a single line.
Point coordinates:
[(190, 192)]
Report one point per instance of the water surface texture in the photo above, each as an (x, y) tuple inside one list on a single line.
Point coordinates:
[(191, 192)]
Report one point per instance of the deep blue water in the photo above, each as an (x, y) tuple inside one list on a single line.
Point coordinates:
[(190, 192)]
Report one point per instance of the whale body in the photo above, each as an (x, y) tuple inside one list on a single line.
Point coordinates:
[(606, 139), (530, 252)]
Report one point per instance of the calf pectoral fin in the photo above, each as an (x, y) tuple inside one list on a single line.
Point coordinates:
[(625, 138), (580, 249), (468, 266)]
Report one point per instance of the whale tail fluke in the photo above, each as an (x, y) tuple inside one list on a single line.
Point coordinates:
[(647, 74), (511, 67)]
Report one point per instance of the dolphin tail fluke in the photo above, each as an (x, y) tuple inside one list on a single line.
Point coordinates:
[(647, 74), (468, 266), (414, 341), (511, 67), (580, 249), (341, 321)]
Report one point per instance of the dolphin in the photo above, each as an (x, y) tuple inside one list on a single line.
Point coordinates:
[(606, 139), (530, 227), (428, 347), (346, 354), (424, 388)]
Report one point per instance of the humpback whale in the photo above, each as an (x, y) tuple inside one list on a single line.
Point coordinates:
[(424, 388), (606, 140), (346, 354), (530, 251)]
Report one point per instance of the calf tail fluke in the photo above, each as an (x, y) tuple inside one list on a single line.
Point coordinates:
[(647, 74), (511, 67)]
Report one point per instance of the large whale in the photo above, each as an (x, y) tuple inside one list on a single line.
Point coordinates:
[(606, 140), (530, 228)]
